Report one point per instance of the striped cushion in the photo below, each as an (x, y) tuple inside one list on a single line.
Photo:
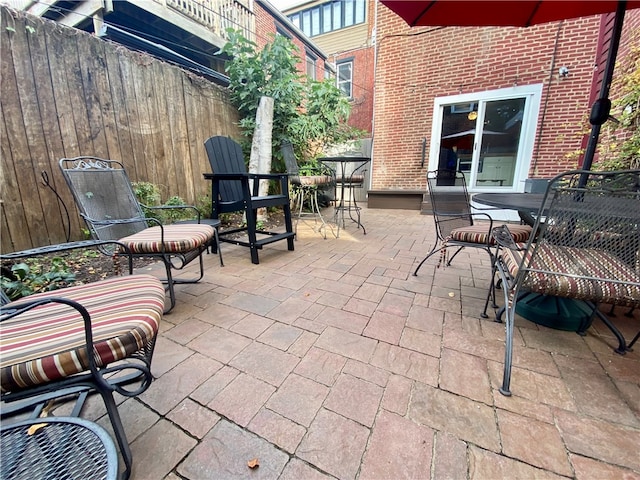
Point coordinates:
[(47, 343), (571, 265), (480, 234), (316, 180), (178, 238), (355, 178)]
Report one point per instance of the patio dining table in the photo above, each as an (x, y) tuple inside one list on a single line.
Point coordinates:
[(344, 176)]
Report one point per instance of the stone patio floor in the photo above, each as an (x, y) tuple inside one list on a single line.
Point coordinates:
[(334, 361)]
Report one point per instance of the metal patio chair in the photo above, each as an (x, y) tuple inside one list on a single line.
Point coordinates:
[(235, 190), (45, 337), (305, 187), (108, 205), (456, 224), (587, 248)]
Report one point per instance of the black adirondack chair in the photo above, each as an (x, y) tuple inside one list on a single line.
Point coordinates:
[(233, 189)]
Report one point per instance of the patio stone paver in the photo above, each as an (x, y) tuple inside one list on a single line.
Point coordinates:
[(397, 394), (193, 418), (280, 336), (468, 420), (598, 439), (398, 448), (537, 443), (321, 366), (347, 344), (251, 326), (586, 468), (484, 464), (265, 363), (159, 450), (355, 399), (450, 457), (298, 399), (170, 389), (385, 327), (465, 375), (334, 444), (219, 344), (297, 470), (406, 362), (277, 429), (366, 372), (241, 399), (334, 362), (225, 452)]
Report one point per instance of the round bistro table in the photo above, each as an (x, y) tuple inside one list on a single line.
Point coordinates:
[(57, 448)]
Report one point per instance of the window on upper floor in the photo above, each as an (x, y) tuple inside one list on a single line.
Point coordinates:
[(311, 65), (329, 16), (344, 78)]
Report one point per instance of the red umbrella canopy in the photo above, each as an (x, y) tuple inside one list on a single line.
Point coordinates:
[(498, 13)]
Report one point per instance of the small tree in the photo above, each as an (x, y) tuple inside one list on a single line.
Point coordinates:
[(308, 113)]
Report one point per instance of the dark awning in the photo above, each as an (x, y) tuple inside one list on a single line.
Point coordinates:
[(161, 52)]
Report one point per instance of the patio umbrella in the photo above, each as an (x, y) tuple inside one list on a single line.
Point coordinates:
[(524, 13)]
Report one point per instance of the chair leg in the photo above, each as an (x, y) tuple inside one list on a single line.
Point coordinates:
[(217, 248), (622, 344), (508, 347), (289, 225), (118, 430), (433, 250)]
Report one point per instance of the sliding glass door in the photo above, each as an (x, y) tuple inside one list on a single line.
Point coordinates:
[(489, 136)]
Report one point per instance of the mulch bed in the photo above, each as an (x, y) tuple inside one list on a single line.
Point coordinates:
[(91, 267)]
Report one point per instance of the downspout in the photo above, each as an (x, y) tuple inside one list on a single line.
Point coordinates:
[(374, 39), (552, 68)]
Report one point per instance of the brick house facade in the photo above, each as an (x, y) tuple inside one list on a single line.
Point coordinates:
[(352, 44), (421, 68), (270, 21)]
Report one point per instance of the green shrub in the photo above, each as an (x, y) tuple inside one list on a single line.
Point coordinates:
[(29, 278)]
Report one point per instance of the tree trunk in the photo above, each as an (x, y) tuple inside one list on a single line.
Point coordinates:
[(260, 159)]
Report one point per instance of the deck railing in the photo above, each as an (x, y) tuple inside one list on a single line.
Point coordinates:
[(218, 15)]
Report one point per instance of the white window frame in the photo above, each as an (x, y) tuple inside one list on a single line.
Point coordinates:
[(350, 81), (533, 95)]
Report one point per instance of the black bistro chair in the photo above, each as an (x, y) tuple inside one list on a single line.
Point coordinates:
[(457, 226), (587, 248), (106, 201), (305, 187)]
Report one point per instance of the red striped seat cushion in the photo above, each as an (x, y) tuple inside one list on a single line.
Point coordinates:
[(316, 180), (355, 178), (47, 343), (178, 238), (569, 266), (480, 234)]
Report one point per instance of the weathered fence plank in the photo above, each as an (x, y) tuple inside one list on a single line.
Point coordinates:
[(66, 93)]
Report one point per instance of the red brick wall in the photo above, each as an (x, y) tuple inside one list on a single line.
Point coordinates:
[(363, 79), (415, 65)]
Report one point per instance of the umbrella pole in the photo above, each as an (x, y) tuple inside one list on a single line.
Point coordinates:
[(602, 106)]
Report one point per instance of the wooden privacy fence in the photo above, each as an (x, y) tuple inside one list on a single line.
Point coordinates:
[(65, 93)]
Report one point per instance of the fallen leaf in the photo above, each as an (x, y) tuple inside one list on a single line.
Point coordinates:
[(33, 429), (253, 463)]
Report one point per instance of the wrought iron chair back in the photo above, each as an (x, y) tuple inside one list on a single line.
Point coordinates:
[(587, 248), (456, 224), (107, 203)]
